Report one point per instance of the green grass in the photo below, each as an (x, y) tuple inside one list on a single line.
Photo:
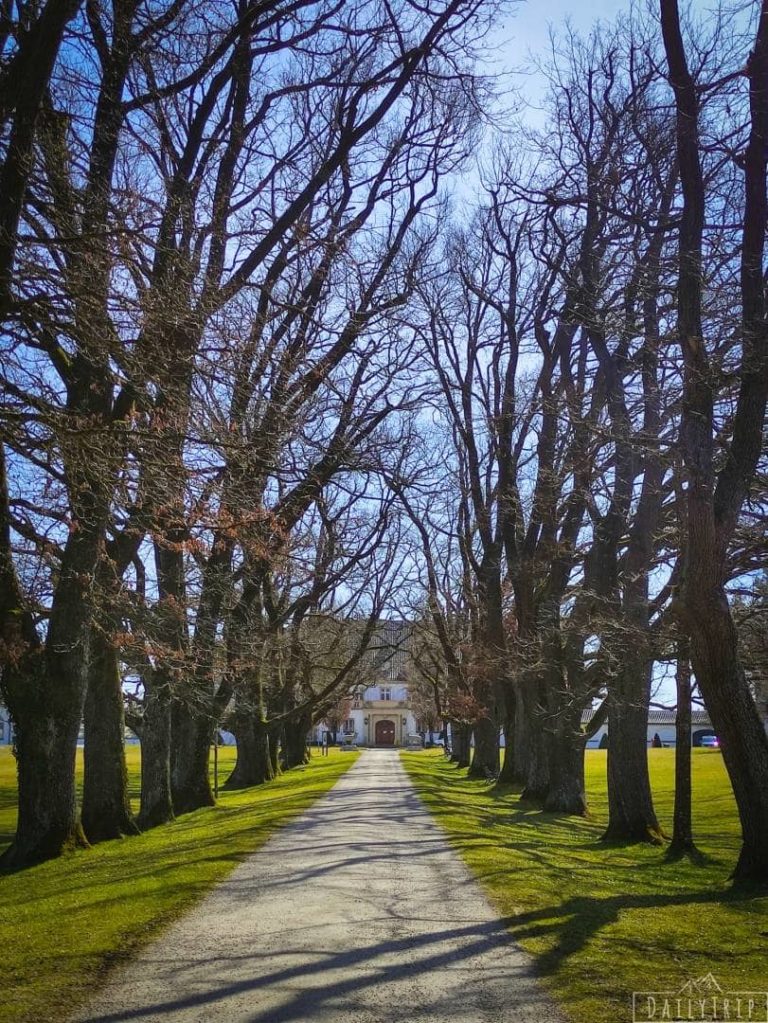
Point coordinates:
[(66, 922), (603, 921)]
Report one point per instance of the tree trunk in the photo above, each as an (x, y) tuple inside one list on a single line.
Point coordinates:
[(531, 752), (537, 772), (170, 628), (508, 774), (631, 816), (522, 740), (273, 738), (263, 760), (485, 759), (742, 737), (295, 748), (682, 833), (48, 824), (253, 765), (566, 792), (190, 759), (244, 771), (106, 804), (714, 500), (44, 686), (156, 801), (460, 746)]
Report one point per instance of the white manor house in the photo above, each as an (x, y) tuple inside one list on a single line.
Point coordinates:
[(380, 713), (381, 716)]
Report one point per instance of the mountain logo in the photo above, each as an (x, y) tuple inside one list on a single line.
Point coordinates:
[(700, 1000), (703, 985)]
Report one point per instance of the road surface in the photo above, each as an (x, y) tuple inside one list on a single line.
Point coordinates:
[(357, 912)]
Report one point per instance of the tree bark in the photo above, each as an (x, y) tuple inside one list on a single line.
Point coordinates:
[(48, 712), (244, 771), (106, 809), (566, 792), (295, 747), (631, 816), (253, 765), (742, 737), (508, 774), (537, 769), (460, 745), (47, 824), (44, 685), (156, 800), (682, 828), (273, 737), (21, 96), (522, 740), (192, 733), (532, 755), (485, 758), (170, 629), (197, 716)]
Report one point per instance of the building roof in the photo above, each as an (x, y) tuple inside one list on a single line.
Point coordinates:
[(699, 718), (387, 656), (667, 717)]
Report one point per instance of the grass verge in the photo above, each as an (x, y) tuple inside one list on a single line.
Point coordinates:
[(604, 921), (67, 922)]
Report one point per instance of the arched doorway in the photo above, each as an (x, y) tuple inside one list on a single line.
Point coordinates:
[(385, 733)]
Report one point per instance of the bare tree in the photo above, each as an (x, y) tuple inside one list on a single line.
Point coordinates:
[(714, 499), (158, 195)]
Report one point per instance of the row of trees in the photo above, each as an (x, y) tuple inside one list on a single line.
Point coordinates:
[(214, 213), (597, 339), (264, 387)]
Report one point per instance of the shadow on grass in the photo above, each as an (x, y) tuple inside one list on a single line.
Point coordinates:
[(573, 923), (655, 909)]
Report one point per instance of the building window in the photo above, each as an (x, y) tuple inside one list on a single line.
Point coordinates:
[(349, 725), (386, 692)]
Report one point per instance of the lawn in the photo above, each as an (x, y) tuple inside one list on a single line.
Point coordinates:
[(601, 921), (66, 922)]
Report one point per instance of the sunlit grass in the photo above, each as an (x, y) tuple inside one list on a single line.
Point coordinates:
[(64, 923), (603, 921)]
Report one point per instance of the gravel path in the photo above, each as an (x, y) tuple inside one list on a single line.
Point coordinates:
[(357, 912)]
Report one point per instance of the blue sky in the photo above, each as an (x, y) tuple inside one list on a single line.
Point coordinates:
[(527, 27), (525, 33)]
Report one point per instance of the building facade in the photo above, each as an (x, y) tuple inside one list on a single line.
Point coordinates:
[(661, 723), (381, 716), (378, 710)]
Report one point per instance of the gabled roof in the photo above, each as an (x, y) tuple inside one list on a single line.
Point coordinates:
[(387, 656)]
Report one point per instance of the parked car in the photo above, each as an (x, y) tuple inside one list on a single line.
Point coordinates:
[(709, 742)]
